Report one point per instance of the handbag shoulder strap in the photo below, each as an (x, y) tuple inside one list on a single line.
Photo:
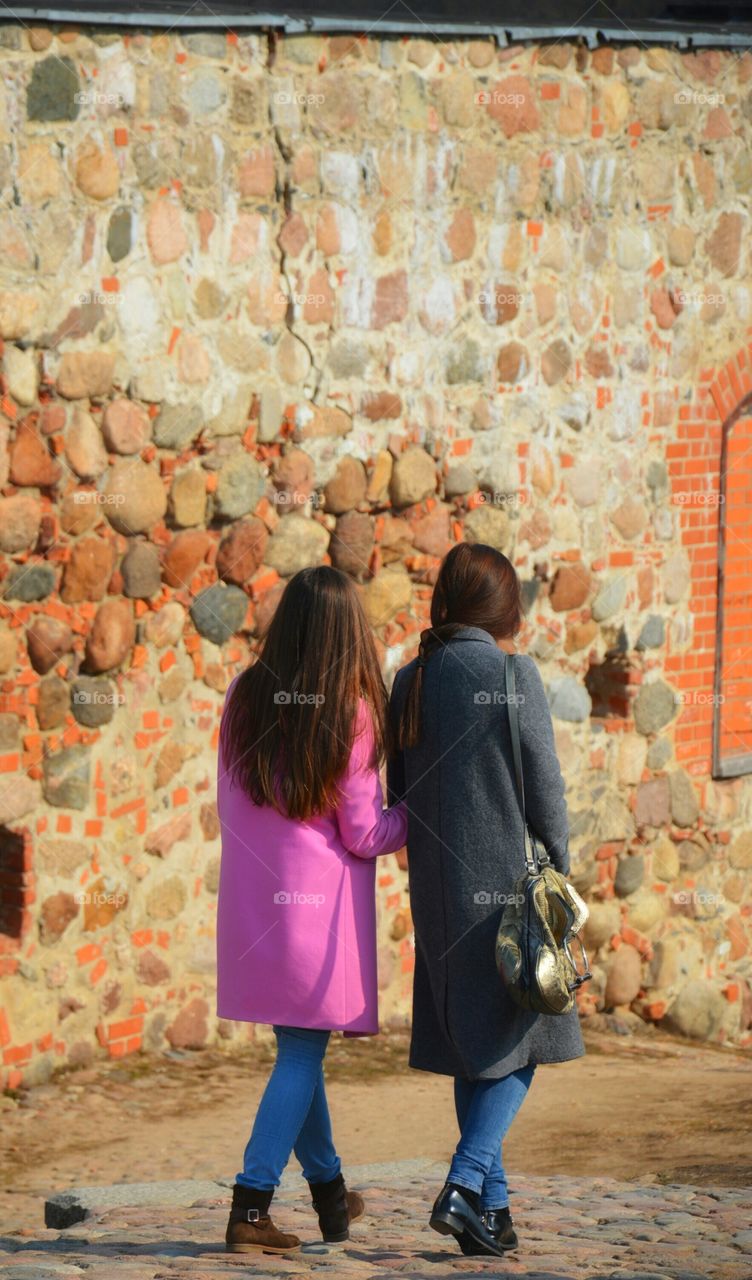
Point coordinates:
[(533, 858), (514, 728)]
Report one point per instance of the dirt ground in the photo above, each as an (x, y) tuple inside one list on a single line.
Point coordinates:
[(644, 1107)]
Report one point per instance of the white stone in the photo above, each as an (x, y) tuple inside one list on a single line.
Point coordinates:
[(22, 374)]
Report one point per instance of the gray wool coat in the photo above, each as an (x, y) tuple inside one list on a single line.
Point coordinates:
[(464, 846)]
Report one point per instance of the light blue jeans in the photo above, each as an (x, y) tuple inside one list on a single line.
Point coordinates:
[(485, 1110), (293, 1115)]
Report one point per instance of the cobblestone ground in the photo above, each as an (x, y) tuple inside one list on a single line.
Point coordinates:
[(569, 1228)]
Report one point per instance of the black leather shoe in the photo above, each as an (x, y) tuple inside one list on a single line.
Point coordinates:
[(453, 1214), (499, 1223)]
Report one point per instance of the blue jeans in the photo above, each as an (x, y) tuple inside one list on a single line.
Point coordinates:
[(292, 1115), (485, 1110)]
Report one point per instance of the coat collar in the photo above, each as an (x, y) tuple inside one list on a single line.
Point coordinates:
[(472, 633)]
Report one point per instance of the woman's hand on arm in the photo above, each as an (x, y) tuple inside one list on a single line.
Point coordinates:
[(366, 828)]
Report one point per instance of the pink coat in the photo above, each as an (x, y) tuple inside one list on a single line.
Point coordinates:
[(296, 918)]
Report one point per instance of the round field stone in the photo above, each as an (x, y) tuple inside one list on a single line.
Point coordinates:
[(240, 486), (242, 551), (112, 636), (126, 426), (297, 543), (654, 707), (465, 364), (489, 526), (47, 640), (352, 543), (93, 701), (66, 777), (177, 425), (569, 700), (685, 808), (141, 570), (386, 594), (134, 496), (20, 517), (30, 582), (347, 488), (652, 634), (630, 874), (219, 611), (120, 234), (659, 753), (53, 703), (697, 1011), (413, 478), (52, 90), (610, 599)]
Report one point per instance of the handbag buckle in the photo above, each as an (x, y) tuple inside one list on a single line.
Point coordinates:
[(579, 978)]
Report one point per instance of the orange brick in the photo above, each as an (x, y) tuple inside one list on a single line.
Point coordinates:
[(126, 1027), (19, 1053)]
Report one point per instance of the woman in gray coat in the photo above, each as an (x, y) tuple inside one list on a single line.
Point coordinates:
[(454, 767)]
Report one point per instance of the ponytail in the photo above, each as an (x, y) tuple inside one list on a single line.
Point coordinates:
[(409, 728), (477, 586)]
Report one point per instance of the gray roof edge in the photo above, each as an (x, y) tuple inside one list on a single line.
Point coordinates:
[(508, 34)]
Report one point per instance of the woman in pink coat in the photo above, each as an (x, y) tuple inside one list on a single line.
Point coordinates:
[(301, 812)]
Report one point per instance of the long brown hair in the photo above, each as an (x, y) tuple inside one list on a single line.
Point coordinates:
[(289, 724), (477, 586)]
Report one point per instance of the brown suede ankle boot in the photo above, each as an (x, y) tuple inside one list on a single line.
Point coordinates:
[(336, 1208), (250, 1229)]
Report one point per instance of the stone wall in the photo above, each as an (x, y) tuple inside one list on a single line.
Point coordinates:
[(267, 301)]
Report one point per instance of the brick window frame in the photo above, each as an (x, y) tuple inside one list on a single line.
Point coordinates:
[(732, 684), (697, 464)]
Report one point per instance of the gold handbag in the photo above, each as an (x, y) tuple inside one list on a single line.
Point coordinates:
[(544, 917)]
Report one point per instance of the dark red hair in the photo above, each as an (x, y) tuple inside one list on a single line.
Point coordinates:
[(289, 724), (477, 586)]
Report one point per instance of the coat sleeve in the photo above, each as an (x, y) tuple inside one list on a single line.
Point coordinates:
[(366, 828), (544, 785)]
